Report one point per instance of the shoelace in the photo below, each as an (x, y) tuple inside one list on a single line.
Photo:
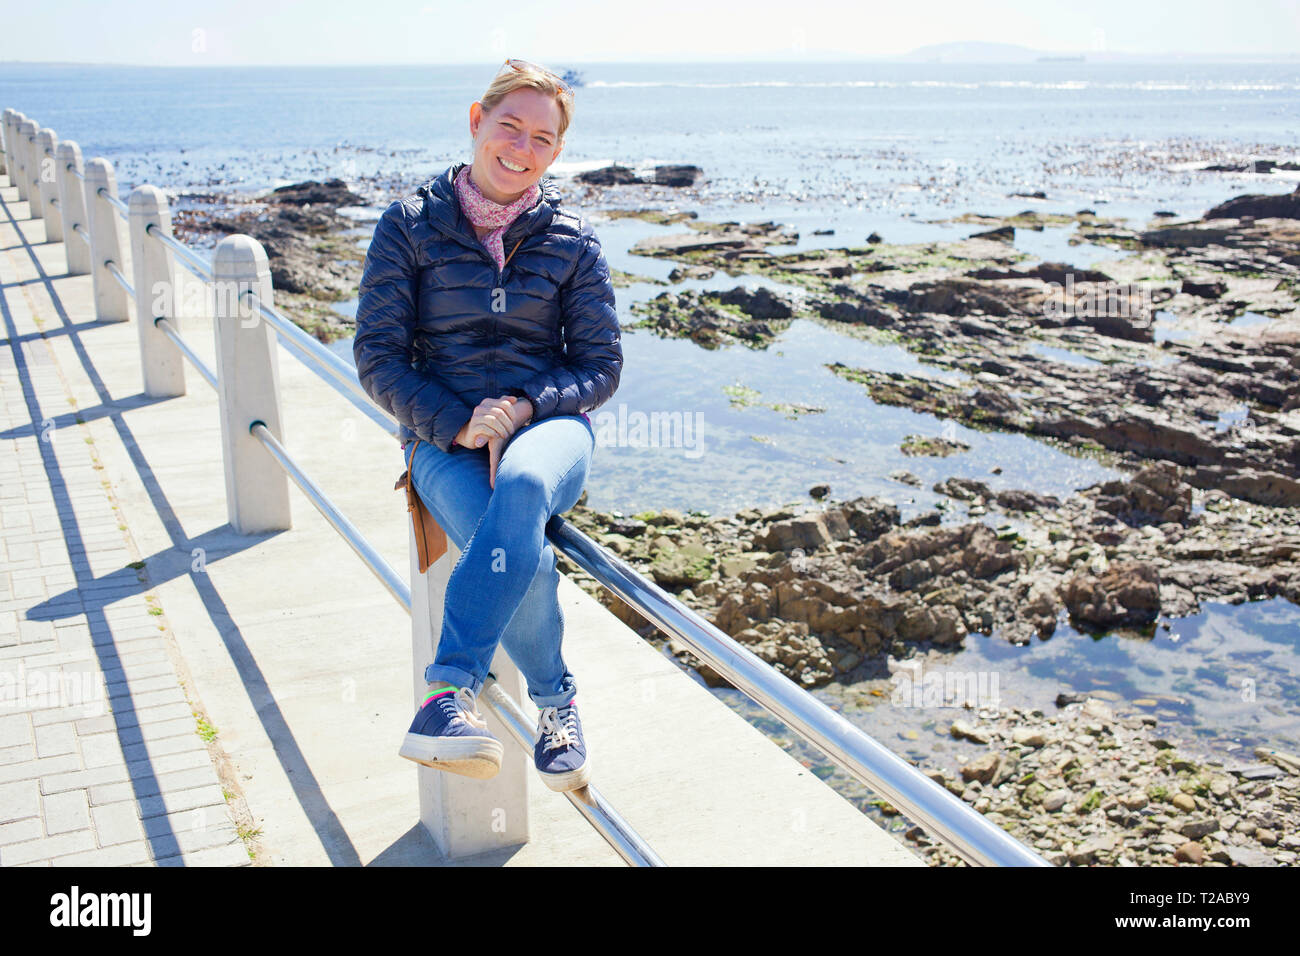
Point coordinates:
[(461, 705), (558, 731)]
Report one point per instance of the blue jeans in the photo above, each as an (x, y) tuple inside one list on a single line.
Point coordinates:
[(505, 586)]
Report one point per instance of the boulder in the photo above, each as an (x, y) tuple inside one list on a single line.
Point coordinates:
[(1126, 594)]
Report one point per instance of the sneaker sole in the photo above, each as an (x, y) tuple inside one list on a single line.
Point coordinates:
[(478, 757), (569, 780)]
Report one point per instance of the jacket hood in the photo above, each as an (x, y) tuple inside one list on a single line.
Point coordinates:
[(443, 211)]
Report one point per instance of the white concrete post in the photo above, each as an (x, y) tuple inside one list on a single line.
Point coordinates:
[(248, 388), (33, 170), (14, 153), (47, 175), (26, 133), (161, 363), (111, 301), (72, 207), (5, 147), (466, 816)]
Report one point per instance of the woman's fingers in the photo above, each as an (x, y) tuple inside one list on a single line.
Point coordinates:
[(494, 456), (491, 422)]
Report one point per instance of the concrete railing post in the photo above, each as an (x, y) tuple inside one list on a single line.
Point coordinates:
[(156, 294), (4, 143), (111, 300), (72, 207), (27, 133), (466, 816), (47, 174), (248, 388), (13, 151)]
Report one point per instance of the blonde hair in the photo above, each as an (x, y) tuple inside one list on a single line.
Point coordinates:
[(511, 79)]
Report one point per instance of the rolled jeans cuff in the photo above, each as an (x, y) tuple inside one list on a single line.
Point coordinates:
[(561, 697), (453, 675)]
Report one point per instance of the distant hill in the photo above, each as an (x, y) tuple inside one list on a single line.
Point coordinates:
[(978, 52)]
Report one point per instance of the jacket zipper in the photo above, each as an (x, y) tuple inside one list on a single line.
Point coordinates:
[(500, 279)]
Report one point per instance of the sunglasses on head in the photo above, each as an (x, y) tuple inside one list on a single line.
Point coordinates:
[(524, 66)]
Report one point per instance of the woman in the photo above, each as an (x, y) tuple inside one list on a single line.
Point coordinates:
[(487, 328)]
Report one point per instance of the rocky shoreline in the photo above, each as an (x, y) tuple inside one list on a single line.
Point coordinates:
[(1206, 428), (1087, 785)]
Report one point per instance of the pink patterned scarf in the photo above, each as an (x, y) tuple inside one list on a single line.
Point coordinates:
[(484, 212)]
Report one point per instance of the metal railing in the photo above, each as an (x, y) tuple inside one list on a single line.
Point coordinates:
[(916, 795), (116, 273), (116, 203), (921, 799), (589, 802), (189, 258), (209, 376), (328, 366)]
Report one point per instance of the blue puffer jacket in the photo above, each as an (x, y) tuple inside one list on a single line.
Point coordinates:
[(440, 328)]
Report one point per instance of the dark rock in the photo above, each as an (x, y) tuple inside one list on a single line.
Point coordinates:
[(869, 518), (760, 303), (1250, 484), (1127, 593), (333, 192), (1019, 500), (609, 176), (1155, 495), (1284, 206), (927, 519), (1057, 272), (1001, 234), (963, 489), (1207, 289), (677, 175)]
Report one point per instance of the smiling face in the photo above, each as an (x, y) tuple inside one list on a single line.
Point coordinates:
[(514, 144)]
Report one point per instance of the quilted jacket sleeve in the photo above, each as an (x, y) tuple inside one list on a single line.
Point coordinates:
[(593, 352), (386, 321)]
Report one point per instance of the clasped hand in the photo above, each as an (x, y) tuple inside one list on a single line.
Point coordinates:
[(494, 422)]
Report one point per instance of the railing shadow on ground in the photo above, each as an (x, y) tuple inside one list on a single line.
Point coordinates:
[(219, 542)]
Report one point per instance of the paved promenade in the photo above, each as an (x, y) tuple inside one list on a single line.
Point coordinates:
[(100, 761), (172, 692)]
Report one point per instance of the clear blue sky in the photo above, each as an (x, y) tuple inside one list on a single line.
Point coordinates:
[(333, 32)]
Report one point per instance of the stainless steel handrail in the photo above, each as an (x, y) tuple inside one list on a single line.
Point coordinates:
[(189, 258), (72, 168), (209, 376), (626, 842), (116, 203), (916, 795), (355, 539), (116, 273), (76, 227), (320, 359)]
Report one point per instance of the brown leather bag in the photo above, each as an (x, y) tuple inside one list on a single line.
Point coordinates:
[(430, 539)]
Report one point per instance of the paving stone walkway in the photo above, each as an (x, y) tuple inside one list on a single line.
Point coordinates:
[(101, 758)]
